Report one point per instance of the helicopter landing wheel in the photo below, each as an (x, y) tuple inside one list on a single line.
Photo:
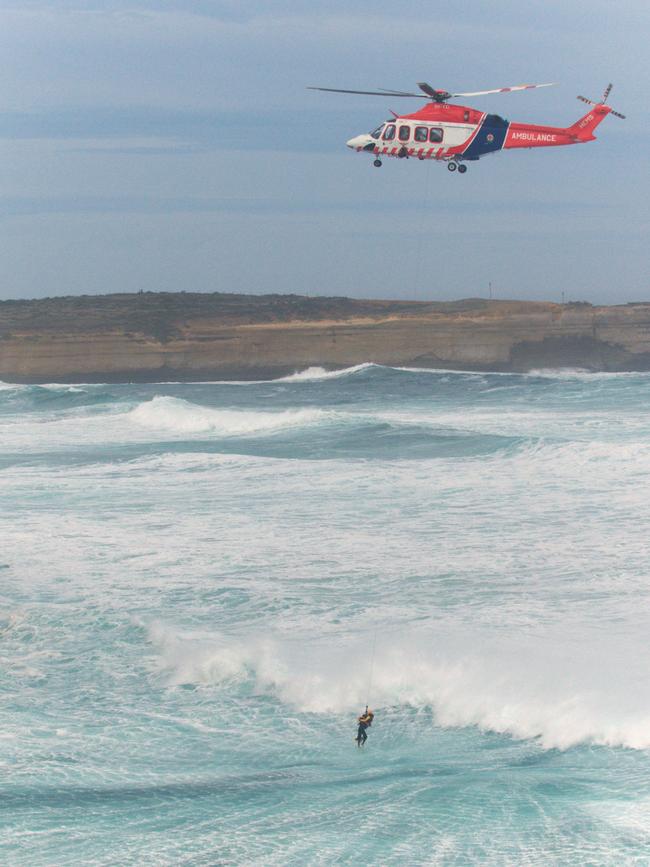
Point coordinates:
[(462, 169), (452, 166), (377, 163)]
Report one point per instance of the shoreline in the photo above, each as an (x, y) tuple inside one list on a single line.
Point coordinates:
[(192, 337), (543, 372)]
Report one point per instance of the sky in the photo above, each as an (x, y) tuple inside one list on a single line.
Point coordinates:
[(173, 145)]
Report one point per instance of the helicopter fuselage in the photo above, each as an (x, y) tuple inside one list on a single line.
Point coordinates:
[(455, 133)]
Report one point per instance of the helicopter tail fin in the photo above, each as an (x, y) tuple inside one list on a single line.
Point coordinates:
[(583, 128)]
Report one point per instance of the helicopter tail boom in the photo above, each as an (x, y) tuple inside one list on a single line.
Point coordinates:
[(523, 135)]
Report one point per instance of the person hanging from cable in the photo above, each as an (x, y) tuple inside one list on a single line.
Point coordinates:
[(365, 721)]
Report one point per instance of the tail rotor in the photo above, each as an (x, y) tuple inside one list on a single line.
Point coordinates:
[(608, 90)]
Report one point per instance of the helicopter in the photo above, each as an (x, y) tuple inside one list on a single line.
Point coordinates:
[(455, 134)]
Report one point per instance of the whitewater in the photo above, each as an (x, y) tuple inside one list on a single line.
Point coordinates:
[(193, 576)]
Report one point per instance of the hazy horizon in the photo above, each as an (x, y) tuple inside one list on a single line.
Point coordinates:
[(386, 297)]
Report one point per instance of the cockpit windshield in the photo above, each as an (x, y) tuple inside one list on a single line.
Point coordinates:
[(377, 132)]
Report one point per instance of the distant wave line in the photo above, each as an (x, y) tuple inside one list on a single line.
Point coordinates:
[(315, 373)]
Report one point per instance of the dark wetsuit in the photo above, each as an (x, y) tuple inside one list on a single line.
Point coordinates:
[(365, 720), (362, 737)]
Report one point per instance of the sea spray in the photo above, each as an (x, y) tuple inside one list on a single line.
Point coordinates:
[(561, 692)]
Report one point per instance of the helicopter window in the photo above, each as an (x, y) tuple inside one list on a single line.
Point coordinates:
[(404, 133), (377, 132), (435, 134), (421, 133), (389, 132)]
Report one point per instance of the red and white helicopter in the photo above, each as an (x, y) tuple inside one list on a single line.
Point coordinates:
[(456, 133)]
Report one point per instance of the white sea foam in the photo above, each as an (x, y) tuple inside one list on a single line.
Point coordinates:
[(208, 660), (162, 417), (315, 374), (178, 416), (447, 371), (561, 694), (580, 373), (573, 423), (559, 373), (632, 816), (49, 386), (61, 386)]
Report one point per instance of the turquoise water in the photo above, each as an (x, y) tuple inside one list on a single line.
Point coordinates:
[(192, 578)]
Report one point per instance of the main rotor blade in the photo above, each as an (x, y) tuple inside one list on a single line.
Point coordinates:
[(506, 89), (431, 91), (368, 92), (400, 92)]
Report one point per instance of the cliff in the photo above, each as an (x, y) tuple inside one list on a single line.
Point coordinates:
[(193, 336)]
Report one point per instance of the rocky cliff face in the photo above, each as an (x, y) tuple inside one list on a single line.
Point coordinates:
[(153, 337)]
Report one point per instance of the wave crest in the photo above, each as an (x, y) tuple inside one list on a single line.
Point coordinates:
[(178, 416), (560, 696), (316, 374)]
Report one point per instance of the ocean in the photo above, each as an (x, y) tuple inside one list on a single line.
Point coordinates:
[(202, 585)]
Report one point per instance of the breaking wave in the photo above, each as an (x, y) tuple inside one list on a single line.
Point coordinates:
[(175, 415), (315, 374), (560, 695)]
